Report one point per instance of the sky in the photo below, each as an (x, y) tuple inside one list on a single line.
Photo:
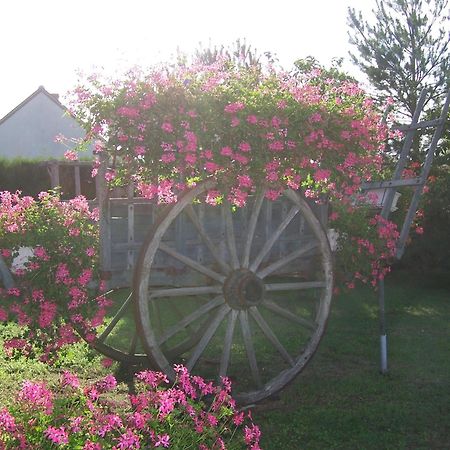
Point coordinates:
[(47, 42)]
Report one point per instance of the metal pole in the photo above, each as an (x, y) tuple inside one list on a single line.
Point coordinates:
[(382, 320)]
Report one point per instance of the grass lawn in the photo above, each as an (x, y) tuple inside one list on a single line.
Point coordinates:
[(341, 401)]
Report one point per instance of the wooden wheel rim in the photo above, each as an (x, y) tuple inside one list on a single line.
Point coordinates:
[(141, 302), (103, 345)]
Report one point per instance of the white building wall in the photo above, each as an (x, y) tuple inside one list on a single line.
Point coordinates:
[(31, 130)]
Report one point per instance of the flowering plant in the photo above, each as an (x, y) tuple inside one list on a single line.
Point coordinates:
[(51, 248), (89, 418), (245, 127)]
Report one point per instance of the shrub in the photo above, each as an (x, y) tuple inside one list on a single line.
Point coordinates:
[(55, 290)]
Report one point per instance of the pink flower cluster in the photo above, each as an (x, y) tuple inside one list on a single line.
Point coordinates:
[(245, 128), (53, 294), (157, 415), (230, 123)]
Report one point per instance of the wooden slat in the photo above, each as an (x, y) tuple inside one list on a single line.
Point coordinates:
[(77, 180)]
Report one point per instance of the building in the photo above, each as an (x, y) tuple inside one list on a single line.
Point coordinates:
[(30, 129)]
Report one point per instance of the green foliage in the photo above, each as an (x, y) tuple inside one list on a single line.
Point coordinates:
[(405, 50), (30, 177), (430, 251)]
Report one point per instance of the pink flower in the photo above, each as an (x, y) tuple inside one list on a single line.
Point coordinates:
[(71, 155), (3, 315), (41, 253), (322, 175), (139, 150), (7, 422), (126, 111), (226, 151), (168, 157), (276, 146), (244, 147), (167, 127), (90, 251), (190, 159), (5, 252), (213, 197), (314, 118), (163, 440), (234, 107), (69, 379), (57, 435), (235, 122), (47, 314), (245, 181), (89, 445), (36, 395), (272, 194), (110, 175), (241, 158), (211, 167), (106, 384), (128, 440), (107, 362), (74, 232)]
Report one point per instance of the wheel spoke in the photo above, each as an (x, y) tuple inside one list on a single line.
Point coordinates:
[(189, 327), (231, 239), (119, 314), (252, 227), (225, 359), (191, 263), (133, 345), (269, 244), (185, 291), (289, 315), (209, 333), (271, 336), (286, 260), (206, 239), (250, 349), (301, 285), (190, 318)]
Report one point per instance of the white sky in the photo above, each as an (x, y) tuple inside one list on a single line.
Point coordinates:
[(44, 42)]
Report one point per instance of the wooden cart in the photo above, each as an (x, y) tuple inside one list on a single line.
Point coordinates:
[(237, 292)]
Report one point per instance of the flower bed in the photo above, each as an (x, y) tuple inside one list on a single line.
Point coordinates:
[(156, 416)]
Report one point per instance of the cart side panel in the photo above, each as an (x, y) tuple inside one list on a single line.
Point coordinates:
[(131, 219)]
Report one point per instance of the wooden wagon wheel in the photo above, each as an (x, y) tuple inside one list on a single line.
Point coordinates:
[(118, 338), (264, 322)]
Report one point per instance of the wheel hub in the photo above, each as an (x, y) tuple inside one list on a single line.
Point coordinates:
[(243, 289)]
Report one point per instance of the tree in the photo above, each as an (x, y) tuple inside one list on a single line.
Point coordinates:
[(406, 50)]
